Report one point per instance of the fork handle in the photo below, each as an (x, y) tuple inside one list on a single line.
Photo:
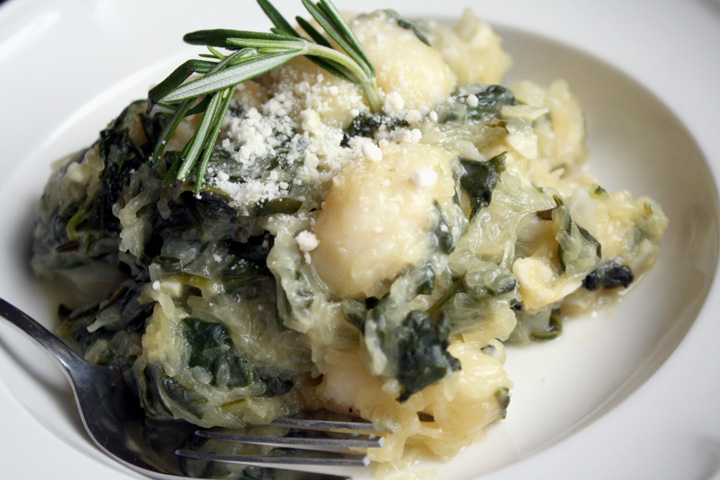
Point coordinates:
[(62, 353)]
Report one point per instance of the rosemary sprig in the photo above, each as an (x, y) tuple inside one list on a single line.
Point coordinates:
[(252, 54)]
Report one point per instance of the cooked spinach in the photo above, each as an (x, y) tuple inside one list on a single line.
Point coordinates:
[(490, 100), (543, 325), (457, 285), (121, 156), (422, 355), (479, 180), (275, 385), (355, 313), (552, 330), (609, 275), (212, 217), (241, 272), (488, 279), (85, 231), (415, 347), (588, 241), (414, 343), (196, 241), (205, 238), (578, 250), (156, 388), (120, 311), (424, 278), (366, 124), (212, 350), (409, 25), (285, 205), (479, 289), (443, 234)]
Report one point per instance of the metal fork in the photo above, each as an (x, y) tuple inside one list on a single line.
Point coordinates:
[(167, 450)]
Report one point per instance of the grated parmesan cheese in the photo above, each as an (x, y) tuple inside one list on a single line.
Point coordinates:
[(393, 102), (413, 116), (371, 151), (307, 242), (423, 178), (303, 148)]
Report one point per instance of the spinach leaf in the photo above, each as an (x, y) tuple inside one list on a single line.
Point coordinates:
[(366, 124), (443, 233), (285, 205), (275, 386), (477, 287), (573, 234), (120, 311), (422, 354), (355, 313), (552, 330), (409, 25), (578, 250), (490, 100), (154, 386), (414, 343), (212, 349), (240, 273), (85, 231), (609, 275), (542, 325), (212, 216), (479, 180), (121, 156)]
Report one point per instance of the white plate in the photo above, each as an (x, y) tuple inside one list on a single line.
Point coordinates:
[(629, 393)]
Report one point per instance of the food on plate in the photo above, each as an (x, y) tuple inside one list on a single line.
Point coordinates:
[(358, 222)]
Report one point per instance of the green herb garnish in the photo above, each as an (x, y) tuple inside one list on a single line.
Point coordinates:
[(253, 53)]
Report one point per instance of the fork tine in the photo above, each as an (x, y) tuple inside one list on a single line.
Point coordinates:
[(291, 439), (315, 438), (283, 456), (317, 423)]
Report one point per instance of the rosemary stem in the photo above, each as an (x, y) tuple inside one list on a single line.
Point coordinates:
[(335, 56), (372, 94)]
